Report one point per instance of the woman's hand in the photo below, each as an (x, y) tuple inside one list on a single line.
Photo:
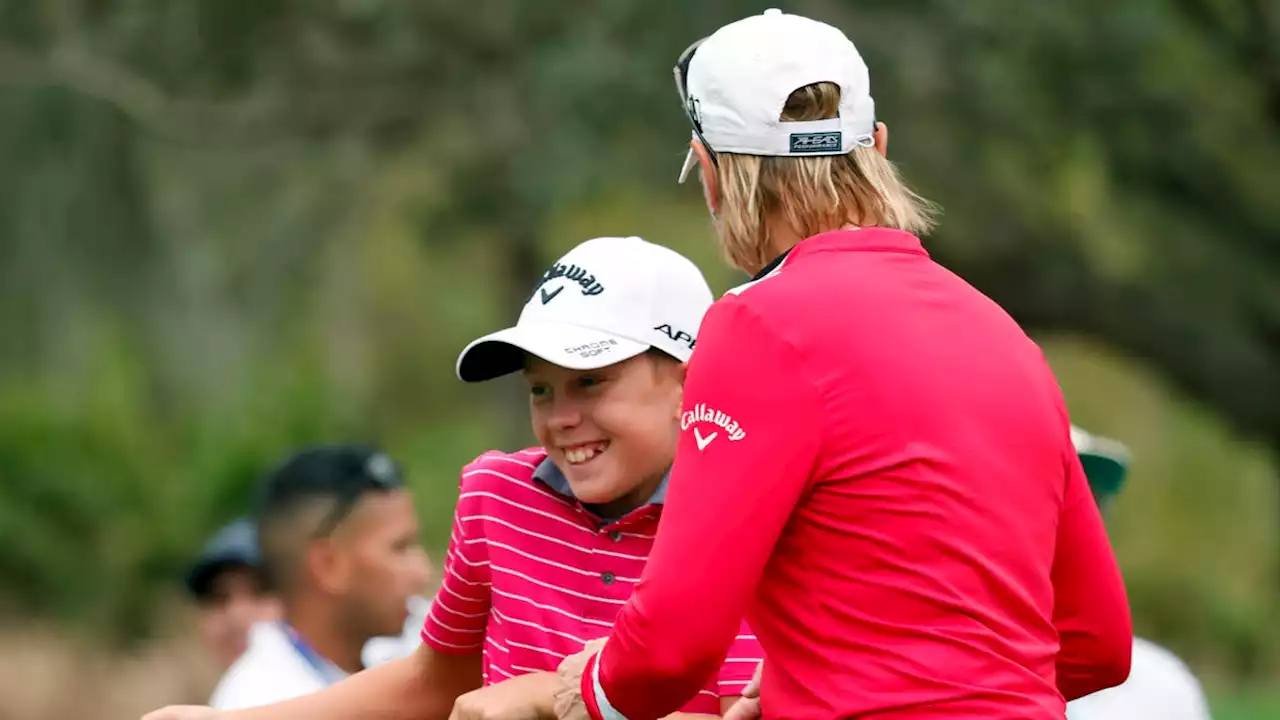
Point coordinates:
[(568, 691)]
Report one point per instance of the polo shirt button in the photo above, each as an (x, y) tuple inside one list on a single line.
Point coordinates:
[(615, 536), (607, 578)]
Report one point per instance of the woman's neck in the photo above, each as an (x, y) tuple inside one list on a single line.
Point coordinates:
[(782, 239)]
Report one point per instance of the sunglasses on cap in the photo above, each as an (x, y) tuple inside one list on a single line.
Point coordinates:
[(378, 474), (681, 73)]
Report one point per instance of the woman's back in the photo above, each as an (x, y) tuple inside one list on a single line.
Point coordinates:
[(929, 527), (919, 559)]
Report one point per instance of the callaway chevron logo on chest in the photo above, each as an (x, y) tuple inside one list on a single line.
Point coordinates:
[(702, 413)]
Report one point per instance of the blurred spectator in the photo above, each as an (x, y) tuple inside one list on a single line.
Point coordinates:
[(1160, 685), (340, 544), (228, 586)]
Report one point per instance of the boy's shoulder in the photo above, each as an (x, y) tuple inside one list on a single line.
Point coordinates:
[(500, 485), (494, 469)]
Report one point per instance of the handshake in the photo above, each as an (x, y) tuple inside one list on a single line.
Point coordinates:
[(534, 696), (566, 703)]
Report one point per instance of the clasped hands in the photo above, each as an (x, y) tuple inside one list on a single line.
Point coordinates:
[(558, 695)]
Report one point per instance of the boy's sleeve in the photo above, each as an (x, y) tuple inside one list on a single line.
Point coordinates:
[(459, 615), (739, 664)]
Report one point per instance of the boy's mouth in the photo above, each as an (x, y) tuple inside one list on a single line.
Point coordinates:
[(584, 452)]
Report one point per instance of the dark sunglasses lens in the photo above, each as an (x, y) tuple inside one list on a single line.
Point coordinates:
[(379, 473), (682, 69)]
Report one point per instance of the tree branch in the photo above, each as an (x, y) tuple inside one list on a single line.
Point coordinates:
[(266, 116)]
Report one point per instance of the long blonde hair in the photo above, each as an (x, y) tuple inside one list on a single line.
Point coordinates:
[(810, 195)]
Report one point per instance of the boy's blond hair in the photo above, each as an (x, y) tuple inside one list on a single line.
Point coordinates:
[(810, 195)]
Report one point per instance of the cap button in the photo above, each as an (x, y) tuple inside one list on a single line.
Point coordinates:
[(773, 11)]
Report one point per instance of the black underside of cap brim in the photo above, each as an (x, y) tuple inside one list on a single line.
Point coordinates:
[(490, 360)]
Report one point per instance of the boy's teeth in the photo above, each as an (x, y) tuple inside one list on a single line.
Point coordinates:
[(583, 454)]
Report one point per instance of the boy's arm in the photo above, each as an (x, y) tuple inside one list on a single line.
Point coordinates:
[(422, 685)]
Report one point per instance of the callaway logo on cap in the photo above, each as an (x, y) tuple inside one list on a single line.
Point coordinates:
[(607, 300), (738, 81)]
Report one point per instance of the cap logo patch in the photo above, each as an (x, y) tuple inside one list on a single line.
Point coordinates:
[(693, 107), (678, 336), (816, 142), (583, 277), (592, 349)]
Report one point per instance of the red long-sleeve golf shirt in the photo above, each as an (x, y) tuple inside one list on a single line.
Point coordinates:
[(876, 469)]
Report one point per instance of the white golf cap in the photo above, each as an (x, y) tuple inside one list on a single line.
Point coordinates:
[(606, 300), (740, 77)]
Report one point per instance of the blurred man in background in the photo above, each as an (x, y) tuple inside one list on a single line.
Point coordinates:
[(1160, 685), (227, 583), (340, 545)]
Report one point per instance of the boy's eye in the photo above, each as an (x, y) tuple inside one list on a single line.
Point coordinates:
[(587, 381), (538, 390)]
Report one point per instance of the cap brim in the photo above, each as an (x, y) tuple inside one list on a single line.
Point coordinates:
[(568, 346), (200, 576), (1105, 461), (1105, 472)]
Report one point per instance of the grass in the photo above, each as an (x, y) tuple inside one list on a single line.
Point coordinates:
[(1262, 704)]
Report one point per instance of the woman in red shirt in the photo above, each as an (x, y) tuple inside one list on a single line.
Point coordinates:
[(876, 465)]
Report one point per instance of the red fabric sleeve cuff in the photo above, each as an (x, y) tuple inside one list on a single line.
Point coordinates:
[(588, 688)]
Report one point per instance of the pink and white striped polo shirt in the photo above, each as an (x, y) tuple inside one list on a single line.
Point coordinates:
[(531, 575)]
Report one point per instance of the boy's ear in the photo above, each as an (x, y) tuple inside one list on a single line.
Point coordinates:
[(681, 372)]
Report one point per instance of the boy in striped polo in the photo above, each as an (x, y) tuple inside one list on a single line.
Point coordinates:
[(549, 542)]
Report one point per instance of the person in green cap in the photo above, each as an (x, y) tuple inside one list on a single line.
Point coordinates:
[(1105, 462), (1160, 685)]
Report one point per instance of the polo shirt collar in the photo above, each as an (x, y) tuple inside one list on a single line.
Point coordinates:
[(774, 264), (548, 474), (857, 240)]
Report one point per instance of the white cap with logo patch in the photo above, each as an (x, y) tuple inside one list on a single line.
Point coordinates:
[(740, 77), (607, 300)]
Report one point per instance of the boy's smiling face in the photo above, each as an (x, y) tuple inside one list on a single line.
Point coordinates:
[(611, 431)]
